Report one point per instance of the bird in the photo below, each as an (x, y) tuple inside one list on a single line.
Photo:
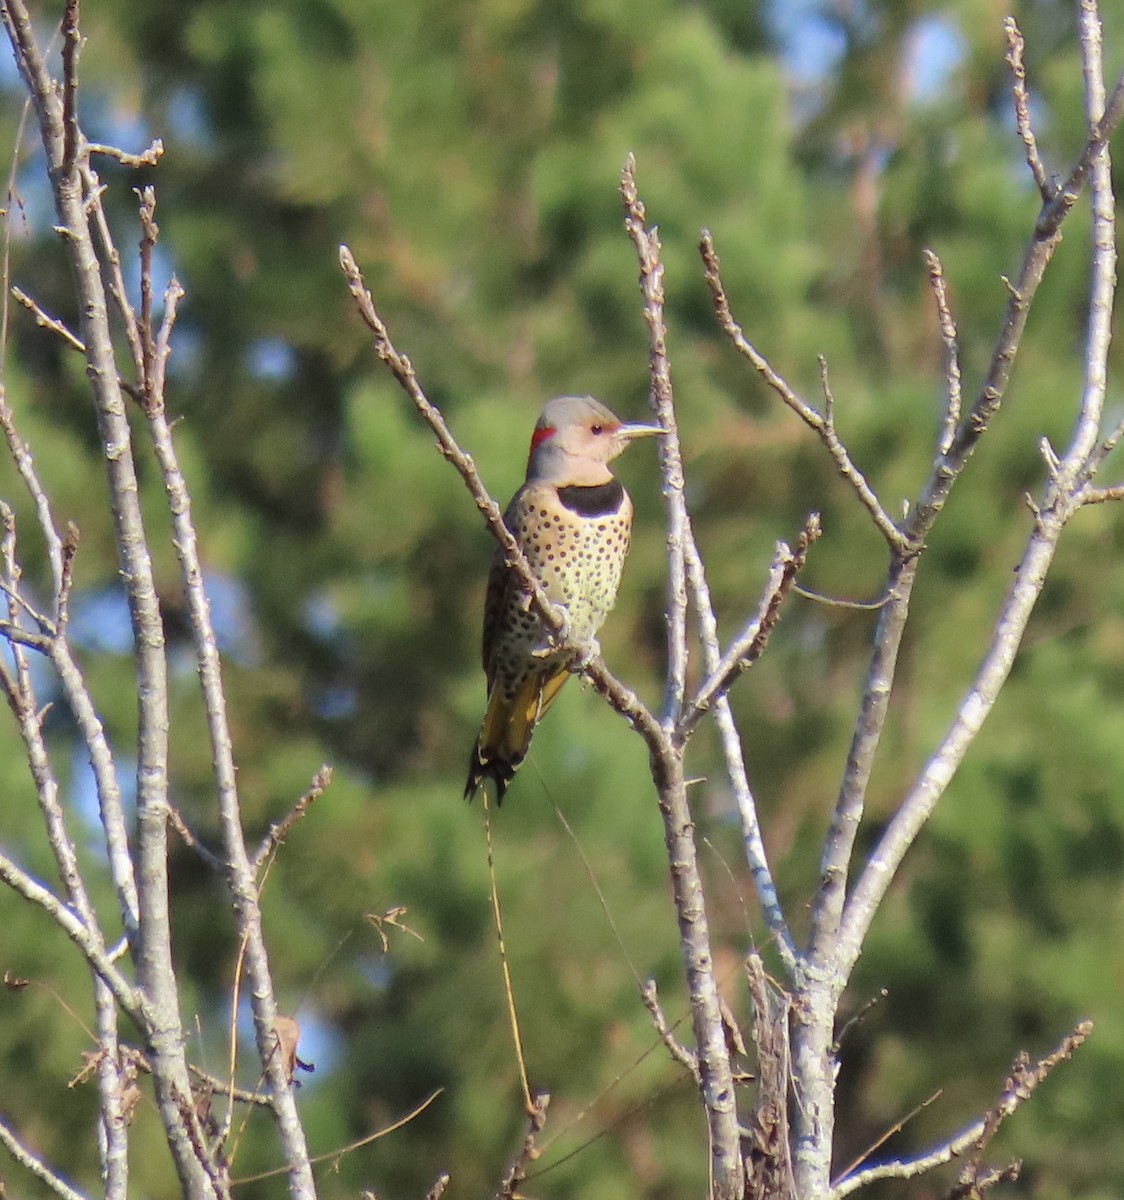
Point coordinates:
[(573, 520)]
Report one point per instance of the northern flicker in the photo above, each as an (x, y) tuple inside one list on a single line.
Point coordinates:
[(572, 519)]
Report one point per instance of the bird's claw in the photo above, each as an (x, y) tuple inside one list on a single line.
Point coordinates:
[(585, 655), (553, 640)]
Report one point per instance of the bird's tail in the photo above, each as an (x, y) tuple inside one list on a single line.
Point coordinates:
[(508, 725)]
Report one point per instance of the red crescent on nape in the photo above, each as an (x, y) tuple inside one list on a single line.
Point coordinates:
[(540, 435)]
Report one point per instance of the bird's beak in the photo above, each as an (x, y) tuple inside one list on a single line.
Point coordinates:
[(629, 432)]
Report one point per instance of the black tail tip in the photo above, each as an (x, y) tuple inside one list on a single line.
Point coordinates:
[(480, 769)]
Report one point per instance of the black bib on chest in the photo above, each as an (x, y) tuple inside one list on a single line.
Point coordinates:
[(601, 500)]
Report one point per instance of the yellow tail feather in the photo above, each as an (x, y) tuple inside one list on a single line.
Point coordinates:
[(508, 725)]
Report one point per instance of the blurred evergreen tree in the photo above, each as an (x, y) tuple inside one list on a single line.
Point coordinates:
[(469, 153)]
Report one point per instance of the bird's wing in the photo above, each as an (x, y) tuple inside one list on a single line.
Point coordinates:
[(502, 592)]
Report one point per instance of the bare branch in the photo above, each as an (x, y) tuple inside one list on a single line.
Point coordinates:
[(240, 873), (1017, 1089), (147, 158), (822, 424), (770, 1175), (113, 1143), (715, 1071), (1102, 286), (280, 831), (438, 1189), (145, 332), (1063, 496), (517, 1172), (30, 719), (1015, 48), (1103, 495), (25, 465), (45, 321), (646, 242), (752, 840), (77, 931), (76, 197), (685, 565), (71, 45), (675, 1048), (35, 1165), (939, 285), (61, 552), (747, 647), (110, 804), (191, 841)]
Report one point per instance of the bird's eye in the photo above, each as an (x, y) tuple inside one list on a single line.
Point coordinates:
[(597, 429)]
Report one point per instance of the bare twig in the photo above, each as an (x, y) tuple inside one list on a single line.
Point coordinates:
[(240, 873), (146, 334), (752, 841), (1104, 495), (747, 647), (25, 465), (675, 1048), (517, 1171), (337, 1154), (223, 1088), (147, 158), (984, 1180), (19, 636), (35, 1165), (646, 243), (1063, 496), (53, 325), (279, 831), (887, 1134), (1015, 49), (666, 755), (71, 46), (189, 838), (953, 401), (69, 167), (1065, 197), (823, 424), (45, 321), (768, 1154), (1017, 1089), (77, 931)]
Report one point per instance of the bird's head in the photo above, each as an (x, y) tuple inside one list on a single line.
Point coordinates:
[(576, 438)]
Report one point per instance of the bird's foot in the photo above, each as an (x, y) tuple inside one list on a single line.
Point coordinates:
[(553, 641), (585, 655)]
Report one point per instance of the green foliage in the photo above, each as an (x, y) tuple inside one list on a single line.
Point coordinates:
[(469, 154)]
